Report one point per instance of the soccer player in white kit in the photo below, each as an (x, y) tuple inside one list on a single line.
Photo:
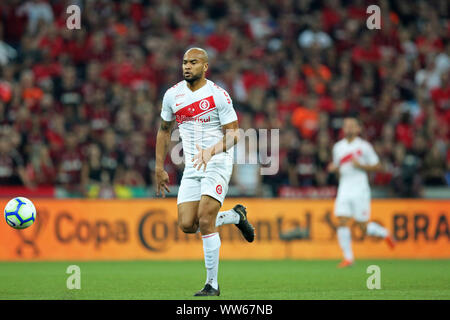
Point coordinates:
[(203, 111), (353, 158)]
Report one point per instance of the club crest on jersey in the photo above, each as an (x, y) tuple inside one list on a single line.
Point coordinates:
[(219, 189), (204, 104)]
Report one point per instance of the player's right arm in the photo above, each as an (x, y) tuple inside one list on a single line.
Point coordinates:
[(162, 145), (372, 162)]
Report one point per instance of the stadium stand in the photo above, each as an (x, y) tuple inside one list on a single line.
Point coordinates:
[(79, 109)]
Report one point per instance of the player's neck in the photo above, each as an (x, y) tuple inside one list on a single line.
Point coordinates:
[(351, 139), (197, 84)]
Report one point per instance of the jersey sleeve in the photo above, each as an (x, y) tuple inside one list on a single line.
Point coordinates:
[(227, 113), (370, 155), (166, 110)]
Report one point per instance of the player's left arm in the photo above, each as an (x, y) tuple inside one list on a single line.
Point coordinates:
[(367, 167), (229, 121), (372, 161), (230, 138)]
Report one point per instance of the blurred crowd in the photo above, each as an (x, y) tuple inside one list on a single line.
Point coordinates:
[(81, 107)]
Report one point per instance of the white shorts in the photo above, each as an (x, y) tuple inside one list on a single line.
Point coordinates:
[(213, 182), (357, 208)]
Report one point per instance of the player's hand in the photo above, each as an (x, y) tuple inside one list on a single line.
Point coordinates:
[(162, 181), (332, 167), (201, 158), (356, 164)]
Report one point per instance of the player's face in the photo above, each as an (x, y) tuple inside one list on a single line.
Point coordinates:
[(194, 66), (350, 128)]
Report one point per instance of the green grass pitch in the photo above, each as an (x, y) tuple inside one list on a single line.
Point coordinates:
[(240, 280)]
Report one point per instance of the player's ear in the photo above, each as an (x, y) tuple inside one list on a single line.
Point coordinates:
[(205, 67)]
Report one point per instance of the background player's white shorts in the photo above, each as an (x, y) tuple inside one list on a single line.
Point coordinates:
[(356, 207), (213, 182)]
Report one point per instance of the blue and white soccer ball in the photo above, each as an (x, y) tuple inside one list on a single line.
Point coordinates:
[(20, 213)]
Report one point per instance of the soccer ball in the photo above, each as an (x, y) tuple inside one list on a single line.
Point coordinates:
[(20, 213)]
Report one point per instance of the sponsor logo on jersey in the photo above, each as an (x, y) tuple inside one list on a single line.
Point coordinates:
[(195, 110)]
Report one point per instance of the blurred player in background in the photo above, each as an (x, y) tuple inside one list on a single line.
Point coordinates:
[(203, 111), (353, 158)]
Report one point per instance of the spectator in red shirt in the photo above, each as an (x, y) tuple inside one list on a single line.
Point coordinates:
[(220, 40), (292, 80), (441, 96), (429, 41), (70, 164), (332, 14), (357, 10), (77, 47), (98, 47), (404, 131), (14, 19), (366, 52), (97, 113), (286, 104), (47, 68), (40, 169), (50, 38), (255, 77)]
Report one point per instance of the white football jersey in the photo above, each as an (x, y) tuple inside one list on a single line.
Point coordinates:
[(200, 116), (353, 181)]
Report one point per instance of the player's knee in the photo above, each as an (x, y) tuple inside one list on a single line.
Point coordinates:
[(343, 222), (187, 227), (363, 226), (206, 221)]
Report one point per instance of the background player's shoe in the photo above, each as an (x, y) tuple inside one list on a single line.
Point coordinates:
[(208, 290), (246, 228), (390, 241), (345, 263)]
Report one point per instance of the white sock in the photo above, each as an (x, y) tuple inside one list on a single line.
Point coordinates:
[(375, 230), (345, 241), (226, 217), (211, 246)]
